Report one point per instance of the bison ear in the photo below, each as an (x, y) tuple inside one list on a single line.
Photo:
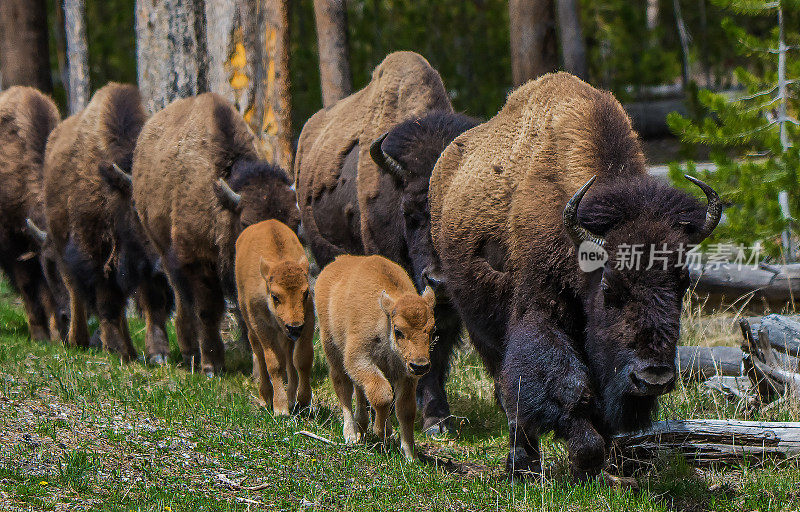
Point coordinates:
[(386, 303), (116, 178), (429, 296), (264, 269), (303, 262), (229, 199)]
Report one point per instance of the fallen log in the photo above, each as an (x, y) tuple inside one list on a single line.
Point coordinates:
[(783, 332), (705, 442), (700, 363), (774, 285)]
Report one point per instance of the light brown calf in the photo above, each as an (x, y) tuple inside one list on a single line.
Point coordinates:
[(272, 282), (376, 332)]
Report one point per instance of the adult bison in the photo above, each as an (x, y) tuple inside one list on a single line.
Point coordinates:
[(351, 205), (197, 182), (101, 250), (584, 354), (26, 119)]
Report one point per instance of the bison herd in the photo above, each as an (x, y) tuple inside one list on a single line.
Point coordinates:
[(425, 222)]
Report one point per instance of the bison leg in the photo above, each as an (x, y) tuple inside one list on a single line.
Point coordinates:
[(303, 358), (342, 386), (154, 303), (545, 386), (431, 396), (524, 457), (186, 333), (406, 411), (114, 332), (210, 307), (27, 278), (78, 335)]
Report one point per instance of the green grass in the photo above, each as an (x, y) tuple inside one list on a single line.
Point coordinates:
[(81, 431)]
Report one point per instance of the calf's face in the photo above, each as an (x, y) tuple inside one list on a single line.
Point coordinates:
[(411, 325), (287, 293)]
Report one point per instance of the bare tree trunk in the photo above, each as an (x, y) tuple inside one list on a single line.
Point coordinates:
[(170, 50), (77, 55), (573, 48), (683, 35), (276, 130), (24, 55), (61, 45), (652, 14), (533, 39), (334, 60)]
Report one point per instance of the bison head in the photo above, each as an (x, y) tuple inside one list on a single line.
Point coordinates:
[(257, 191), (411, 325), (287, 294), (408, 153), (47, 259), (633, 302)]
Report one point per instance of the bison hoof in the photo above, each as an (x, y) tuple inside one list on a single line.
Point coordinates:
[(521, 465), (157, 360), (437, 430)]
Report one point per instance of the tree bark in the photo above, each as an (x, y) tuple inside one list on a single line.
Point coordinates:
[(573, 47), (24, 54), (276, 129), (334, 60), (170, 50), (533, 39), (77, 55)]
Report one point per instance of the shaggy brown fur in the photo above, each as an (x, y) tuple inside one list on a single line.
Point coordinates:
[(273, 293), (102, 253), (180, 156), (404, 85), (564, 346), (26, 119), (376, 332)]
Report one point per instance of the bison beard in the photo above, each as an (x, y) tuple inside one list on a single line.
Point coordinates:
[(583, 354)]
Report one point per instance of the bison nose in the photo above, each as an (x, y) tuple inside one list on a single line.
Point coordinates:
[(419, 367), (294, 331), (653, 380)]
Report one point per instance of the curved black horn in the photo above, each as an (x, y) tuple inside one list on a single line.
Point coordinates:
[(713, 211), (384, 161), (226, 195), (34, 232), (122, 174), (577, 232)]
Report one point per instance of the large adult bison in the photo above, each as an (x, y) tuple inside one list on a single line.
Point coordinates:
[(584, 354), (102, 252), (349, 205), (197, 182), (26, 119)]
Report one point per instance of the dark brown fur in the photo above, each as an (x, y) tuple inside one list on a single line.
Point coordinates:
[(26, 119), (561, 344), (101, 250), (182, 151)]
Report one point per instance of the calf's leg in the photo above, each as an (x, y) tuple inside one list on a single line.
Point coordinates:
[(406, 410), (377, 389), (303, 359), (545, 386)]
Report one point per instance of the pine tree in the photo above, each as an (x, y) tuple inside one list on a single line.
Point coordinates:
[(753, 137)]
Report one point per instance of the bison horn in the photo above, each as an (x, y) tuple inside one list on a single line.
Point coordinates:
[(384, 161), (713, 211), (576, 232), (226, 195), (39, 236)]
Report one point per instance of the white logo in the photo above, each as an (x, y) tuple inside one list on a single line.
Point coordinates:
[(591, 256)]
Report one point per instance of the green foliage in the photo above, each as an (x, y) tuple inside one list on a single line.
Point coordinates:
[(744, 133)]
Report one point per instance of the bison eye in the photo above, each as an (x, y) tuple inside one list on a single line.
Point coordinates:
[(398, 335), (275, 300)]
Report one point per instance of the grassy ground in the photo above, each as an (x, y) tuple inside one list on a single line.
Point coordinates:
[(81, 431)]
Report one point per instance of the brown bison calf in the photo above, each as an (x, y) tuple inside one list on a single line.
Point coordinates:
[(26, 119), (376, 332), (197, 182), (272, 283)]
